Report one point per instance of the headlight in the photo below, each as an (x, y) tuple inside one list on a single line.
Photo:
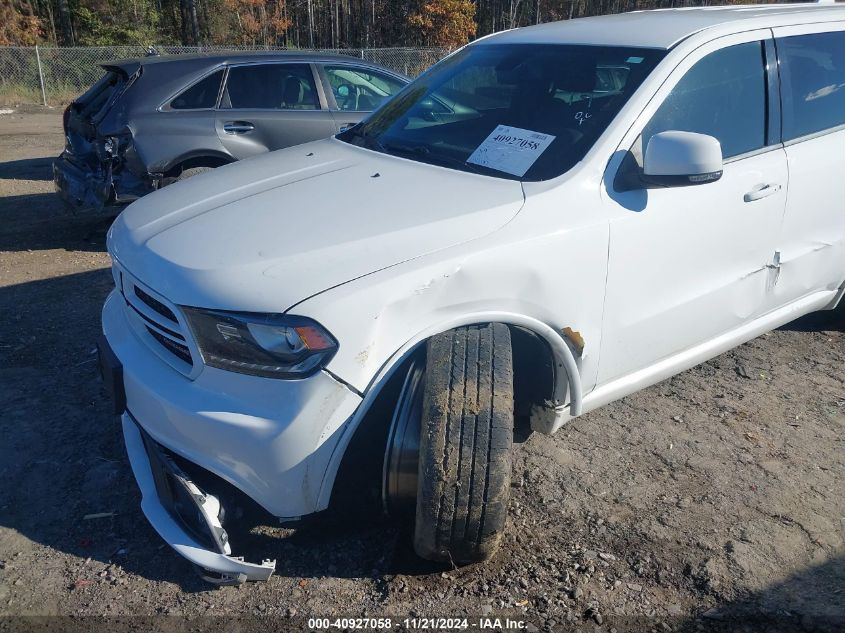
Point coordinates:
[(270, 345)]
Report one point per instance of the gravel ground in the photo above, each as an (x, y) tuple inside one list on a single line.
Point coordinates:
[(716, 498)]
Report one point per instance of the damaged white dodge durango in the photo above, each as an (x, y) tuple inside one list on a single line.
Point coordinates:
[(547, 220)]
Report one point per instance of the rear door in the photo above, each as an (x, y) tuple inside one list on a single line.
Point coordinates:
[(268, 106), (812, 239), (353, 91)]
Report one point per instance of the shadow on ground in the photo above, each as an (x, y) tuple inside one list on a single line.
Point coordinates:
[(40, 221), (808, 601), (826, 321), (27, 169)]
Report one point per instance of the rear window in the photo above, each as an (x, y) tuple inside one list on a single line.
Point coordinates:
[(271, 87), (813, 71), (202, 95), (95, 102)]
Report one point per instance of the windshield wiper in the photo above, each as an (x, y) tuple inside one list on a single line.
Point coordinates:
[(424, 153)]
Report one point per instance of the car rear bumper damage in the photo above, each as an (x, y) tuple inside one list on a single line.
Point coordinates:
[(80, 188), (159, 480), (83, 188)]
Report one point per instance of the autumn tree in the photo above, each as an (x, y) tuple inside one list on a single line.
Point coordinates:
[(259, 21), (448, 23), (19, 26), (290, 23)]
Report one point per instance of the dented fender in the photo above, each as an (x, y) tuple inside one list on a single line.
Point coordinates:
[(544, 271), (544, 419)]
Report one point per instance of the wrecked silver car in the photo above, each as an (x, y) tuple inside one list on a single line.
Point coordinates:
[(151, 121)]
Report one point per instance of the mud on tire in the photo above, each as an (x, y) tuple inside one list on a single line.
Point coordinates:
[(465, 444)]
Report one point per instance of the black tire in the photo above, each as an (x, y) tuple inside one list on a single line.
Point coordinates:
[(191, 172), (465, 445)]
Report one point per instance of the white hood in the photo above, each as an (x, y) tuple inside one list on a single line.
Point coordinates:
[(266, 233)]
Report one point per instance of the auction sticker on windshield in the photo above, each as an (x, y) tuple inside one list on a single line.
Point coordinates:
[(511, 149)]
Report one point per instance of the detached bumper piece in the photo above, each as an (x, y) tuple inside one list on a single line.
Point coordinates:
[(187, 518)]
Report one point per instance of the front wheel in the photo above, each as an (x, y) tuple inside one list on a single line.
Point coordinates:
[(466, 438)]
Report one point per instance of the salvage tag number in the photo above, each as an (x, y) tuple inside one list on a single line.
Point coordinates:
[(511, 149), (349, 624)]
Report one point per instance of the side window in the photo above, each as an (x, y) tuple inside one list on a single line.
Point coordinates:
[(723, 95), (271, 87), (202, 95), (358, 89), (813, 73)]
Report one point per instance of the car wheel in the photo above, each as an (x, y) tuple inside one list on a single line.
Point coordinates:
[(450, 444), (191, 172)]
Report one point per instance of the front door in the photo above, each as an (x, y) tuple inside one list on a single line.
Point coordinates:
[(269, 106), (687, 264)]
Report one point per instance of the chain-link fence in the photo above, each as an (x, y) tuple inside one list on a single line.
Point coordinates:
[(54, 76)]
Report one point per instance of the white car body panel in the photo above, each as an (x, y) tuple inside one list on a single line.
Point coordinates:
[(554, 236), (688, 264), (812, 238), (626, 287), (218, 420), (217, 233)]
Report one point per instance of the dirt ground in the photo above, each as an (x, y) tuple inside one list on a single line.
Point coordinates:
[(716, 498)]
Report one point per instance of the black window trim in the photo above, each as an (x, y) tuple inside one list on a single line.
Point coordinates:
[(322, 105), (165, 107), (774, 112), (774, 98)]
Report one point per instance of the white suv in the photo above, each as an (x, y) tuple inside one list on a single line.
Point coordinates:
[(547, 220)]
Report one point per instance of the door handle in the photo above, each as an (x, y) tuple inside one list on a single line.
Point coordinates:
[(238, 127), (763, 191)]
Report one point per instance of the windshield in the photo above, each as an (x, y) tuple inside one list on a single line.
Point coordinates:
[(519, 111)]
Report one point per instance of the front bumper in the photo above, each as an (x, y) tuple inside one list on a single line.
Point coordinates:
[(231, 569), (271, 439)]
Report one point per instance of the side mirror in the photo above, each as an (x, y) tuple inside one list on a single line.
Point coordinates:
[(678, 159)]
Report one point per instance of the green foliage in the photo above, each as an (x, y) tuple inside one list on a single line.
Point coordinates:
[(97, 29)]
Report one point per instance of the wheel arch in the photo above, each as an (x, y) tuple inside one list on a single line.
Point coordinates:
[(200, 158), (545, 417)]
